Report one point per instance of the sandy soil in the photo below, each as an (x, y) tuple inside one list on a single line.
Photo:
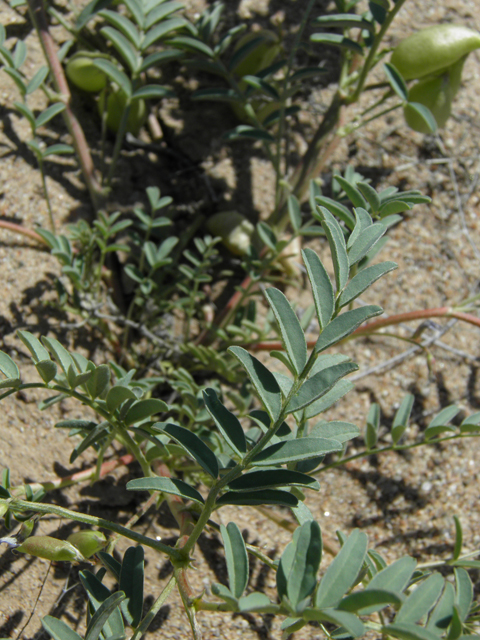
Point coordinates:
[(404, 502)]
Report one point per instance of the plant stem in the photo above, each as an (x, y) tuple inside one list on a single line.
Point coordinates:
[(23, 506), (45, 193), (154, 609), (28, 233), (373, 327), (79, 141), (118, 144), (397, 447)]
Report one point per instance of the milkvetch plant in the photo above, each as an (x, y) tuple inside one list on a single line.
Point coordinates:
[(271, 463)]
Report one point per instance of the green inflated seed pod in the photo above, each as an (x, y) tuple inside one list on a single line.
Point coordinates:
[(433, 49), (88, 542), (81, 71), (51, 549), (234, 229)]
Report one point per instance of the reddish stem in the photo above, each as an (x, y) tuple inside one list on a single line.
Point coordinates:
[(79, 476), (61, 85), (29, 233), (372, 327)]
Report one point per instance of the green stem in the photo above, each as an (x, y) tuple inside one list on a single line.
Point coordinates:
[(281, 125), (45, 193), (369, 62), (154, 609), (397, 447), (118, 143), (45, 509)]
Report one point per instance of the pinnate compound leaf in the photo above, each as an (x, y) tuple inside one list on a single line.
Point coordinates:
[(295, 450), (171, 486), (226, 421), (236, 558), (319, 384), (267, 496), (345, 324), (195, 447), (131, 583), (421, 600), (259, 480), (408, 631), (144, 409), (262, 379), (343, 571), (293, 337), (102, 614), (356, 602), (58, 629), (322, 288), (364, 279)]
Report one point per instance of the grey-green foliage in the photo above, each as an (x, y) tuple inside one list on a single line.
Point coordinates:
[(269, 464)]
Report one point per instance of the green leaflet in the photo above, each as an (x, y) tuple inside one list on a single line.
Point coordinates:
[(463, 593), (393, 578), (293, 337), (195, 447), (259, 480), (322, 288), (131, 583), (262, 379), (345, 324), (226, 421), (236, 558), (402, 416), (267, 496), (166, 485), (318, 385), (102, 614), (343, 571), (144, 409), (421, 600), (295, 450), (58, 629), (408, 631), (359, 600), (364, 279)]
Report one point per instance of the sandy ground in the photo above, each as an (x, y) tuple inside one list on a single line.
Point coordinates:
[(404, 502)]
